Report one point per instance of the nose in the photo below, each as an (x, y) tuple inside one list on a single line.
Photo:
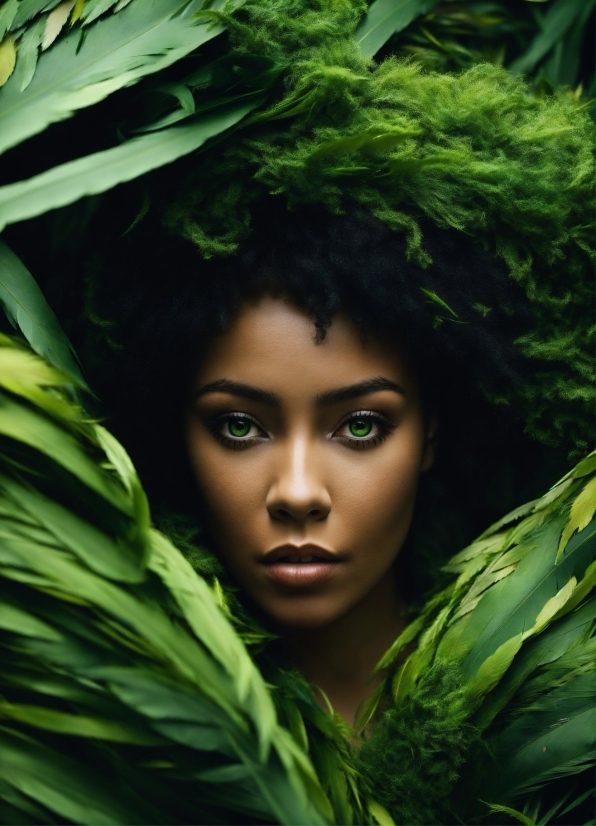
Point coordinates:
[(298, 493)]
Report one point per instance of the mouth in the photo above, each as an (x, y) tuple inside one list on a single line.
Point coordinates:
[(302, 565)]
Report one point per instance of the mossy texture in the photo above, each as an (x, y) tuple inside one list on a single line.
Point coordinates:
[(475, 152)]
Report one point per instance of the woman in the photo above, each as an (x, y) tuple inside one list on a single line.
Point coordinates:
[(421, 282), (295, 397), (321, 338)]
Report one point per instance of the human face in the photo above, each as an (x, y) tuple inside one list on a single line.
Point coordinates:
[(307, 457)]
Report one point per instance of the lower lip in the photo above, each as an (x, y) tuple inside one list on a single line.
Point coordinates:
[(300, 573)]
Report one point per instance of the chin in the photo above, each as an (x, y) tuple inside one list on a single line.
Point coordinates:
[(303, 617)]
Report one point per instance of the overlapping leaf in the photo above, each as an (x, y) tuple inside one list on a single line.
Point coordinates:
[(116, 51), (109, 636), (103, 170)]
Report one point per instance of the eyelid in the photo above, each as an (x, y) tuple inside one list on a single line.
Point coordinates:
[(217, 421), (365, 414)]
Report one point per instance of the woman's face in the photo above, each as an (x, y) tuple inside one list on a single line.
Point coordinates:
[(307, 457)]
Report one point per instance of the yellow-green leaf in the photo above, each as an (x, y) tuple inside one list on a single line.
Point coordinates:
[(8, 58), (381, 815), (582, 511), (493, 668), (552, 607), (580, 592), (55, 23)]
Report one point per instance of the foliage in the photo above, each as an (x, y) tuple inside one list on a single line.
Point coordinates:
[(114, 653), (518, 625), (286, 90), (547, 41), (109, 637)]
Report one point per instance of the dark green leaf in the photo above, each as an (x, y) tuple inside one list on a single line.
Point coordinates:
[(103, 170), (560, 16), (28, 311), (385, 18)]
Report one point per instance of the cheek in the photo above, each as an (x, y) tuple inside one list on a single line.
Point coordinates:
[(376, 492), (231, 488)]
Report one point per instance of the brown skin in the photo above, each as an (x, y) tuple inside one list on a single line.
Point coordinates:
[(296, 469)]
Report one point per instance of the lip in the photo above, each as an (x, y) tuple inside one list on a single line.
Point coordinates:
[(282, 566)]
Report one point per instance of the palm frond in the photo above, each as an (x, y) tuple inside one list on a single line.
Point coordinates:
[(82, 68), (101, 171), (110, 637)]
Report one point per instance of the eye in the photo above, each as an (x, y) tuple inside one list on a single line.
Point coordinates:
[(363, 429), (237, 430)]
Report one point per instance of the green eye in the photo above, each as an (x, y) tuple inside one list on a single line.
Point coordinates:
[(239, 427), (360, 427)]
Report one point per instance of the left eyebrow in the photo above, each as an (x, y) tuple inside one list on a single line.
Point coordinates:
[(353, 391)]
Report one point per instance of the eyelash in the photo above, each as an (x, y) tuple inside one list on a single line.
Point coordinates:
[(384, 425), (216, 425), (384, 428)]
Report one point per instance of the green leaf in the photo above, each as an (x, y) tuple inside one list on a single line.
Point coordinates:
[(8, 10), (18, 621), (120, 561), (103, 170), (512, 606), (28, 54), (507, 810), (76, 724), (8, 57), (582, 512), (493, 667), (31, 8), (552, 607), (62, 784), (381, 815), (554, 739), (385, 18), (27, 310), (365, 143), (95, 8), (560, 16), (55, 22), (119, 50), (208, 623), (27, 427)]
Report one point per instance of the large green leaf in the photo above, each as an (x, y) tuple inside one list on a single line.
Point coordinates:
[(117, 51), (385, 18), (104, 170), (554, 738), (28, 311), (514, 604)]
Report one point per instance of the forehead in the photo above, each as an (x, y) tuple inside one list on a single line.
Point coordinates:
[(271, 344)]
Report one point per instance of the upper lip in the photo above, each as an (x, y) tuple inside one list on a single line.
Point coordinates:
[(308, 550)]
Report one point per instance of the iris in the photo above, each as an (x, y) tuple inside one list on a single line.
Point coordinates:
[(360, 427)]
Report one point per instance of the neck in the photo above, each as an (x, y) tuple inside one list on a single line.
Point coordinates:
[(339, 658)]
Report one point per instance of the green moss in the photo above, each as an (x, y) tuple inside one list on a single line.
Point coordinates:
[(475, 152)]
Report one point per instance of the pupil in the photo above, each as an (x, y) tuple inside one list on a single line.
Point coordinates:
[(360, 427), (240, 427)]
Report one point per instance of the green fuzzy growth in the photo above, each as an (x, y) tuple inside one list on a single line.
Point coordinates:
[(474, 152), (414, 752)]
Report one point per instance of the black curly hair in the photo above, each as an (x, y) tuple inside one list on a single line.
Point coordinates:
[(169, 303)]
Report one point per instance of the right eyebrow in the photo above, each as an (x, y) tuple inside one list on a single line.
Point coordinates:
[(243, 391)]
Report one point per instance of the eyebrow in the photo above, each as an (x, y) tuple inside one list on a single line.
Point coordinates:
[(245, 391), (353, 391), (341, 394)]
